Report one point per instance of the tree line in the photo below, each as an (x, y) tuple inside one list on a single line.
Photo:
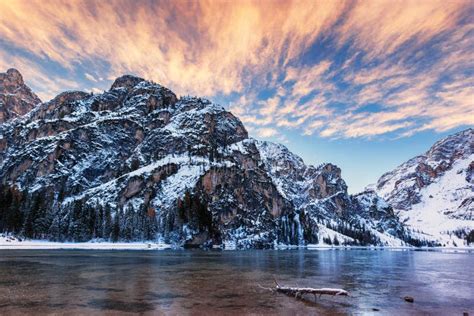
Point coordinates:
[(41, 216)]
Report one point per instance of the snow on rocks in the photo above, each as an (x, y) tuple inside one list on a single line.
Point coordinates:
[(137, 161), (432, 193)]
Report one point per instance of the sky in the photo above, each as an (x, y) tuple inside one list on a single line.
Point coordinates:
[(362, 84)]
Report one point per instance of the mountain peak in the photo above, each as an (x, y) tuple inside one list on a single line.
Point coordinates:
[(433, 191), (16, 98), (455, 144), (126, 81), (14, 76)]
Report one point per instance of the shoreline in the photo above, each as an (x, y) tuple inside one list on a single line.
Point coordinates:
[(84, 246), (48, 245), (12, 243)]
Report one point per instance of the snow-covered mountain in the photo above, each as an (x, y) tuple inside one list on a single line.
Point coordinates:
[(138, 163), (16, 98), (319, 195), (434, 192)]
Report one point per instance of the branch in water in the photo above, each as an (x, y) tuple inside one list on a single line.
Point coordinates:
[(300, 291)]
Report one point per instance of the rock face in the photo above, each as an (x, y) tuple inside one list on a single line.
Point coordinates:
[(138, 163), (16, 98), (324, 211), (434, 192)]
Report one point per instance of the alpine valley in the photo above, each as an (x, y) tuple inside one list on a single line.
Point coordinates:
[(137, 163)]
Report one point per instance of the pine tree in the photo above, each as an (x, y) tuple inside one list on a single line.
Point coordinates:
[(107, 227), (80, 227), (151, 224), (11, 215), (31, 224), (470, 237), (99, 222), (56, 230), (89, 220), (5, 203), (16, 215), (128, 231), (116, 227)]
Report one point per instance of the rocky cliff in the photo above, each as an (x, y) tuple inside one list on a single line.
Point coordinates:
[(16, 98), (139, 163), (434, 192)]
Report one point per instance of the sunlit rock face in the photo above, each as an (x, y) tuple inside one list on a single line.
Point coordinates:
[(16, 98), (136, 162)]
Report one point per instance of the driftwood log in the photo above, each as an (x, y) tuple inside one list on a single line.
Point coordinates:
[(300, 291)]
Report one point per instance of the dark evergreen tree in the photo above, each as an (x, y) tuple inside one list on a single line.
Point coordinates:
[(99, 222), (90, 221), (327, 240), (81, 226), (128, 224), (107, 227), (11, 215), (470, 237), (116, 227), (150, 224), (32, 225)]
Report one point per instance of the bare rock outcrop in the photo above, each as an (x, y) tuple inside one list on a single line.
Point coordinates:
[(16, 98)]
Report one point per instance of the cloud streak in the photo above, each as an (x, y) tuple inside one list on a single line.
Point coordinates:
[(338, 69)]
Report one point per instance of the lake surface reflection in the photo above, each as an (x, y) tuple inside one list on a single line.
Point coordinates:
[(226, 282)]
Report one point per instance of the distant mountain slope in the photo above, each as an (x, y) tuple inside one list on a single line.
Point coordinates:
[(138, 163), (16, 98), (434, 192), (319, 194)]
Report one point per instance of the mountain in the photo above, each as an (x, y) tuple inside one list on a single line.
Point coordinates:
[(16, 98), (138, 163), (434, 192), (319, 195)]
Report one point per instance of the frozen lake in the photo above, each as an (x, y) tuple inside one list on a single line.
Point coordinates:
[(226, 282)]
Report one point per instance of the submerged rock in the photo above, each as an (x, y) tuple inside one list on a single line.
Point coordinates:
[(409, 299)]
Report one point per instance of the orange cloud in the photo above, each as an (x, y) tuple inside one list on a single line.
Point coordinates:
[(221, 47), (196, 47), (383, 27), (36, 76)]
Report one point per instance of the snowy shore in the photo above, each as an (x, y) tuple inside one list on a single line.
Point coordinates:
[(10, 242)]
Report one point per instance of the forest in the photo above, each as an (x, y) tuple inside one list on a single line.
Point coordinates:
[(32, 215)]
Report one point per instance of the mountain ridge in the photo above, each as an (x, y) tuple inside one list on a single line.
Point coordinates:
[(434, 192), (138, 163)]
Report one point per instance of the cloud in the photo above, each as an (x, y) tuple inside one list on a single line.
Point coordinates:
[(384, 27), (36, 76), (333, 69), (96, 90), (90, 77), (270, 106), (194, 47), (266, 132)]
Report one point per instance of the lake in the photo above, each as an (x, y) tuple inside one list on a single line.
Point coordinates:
[(227, 282)]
